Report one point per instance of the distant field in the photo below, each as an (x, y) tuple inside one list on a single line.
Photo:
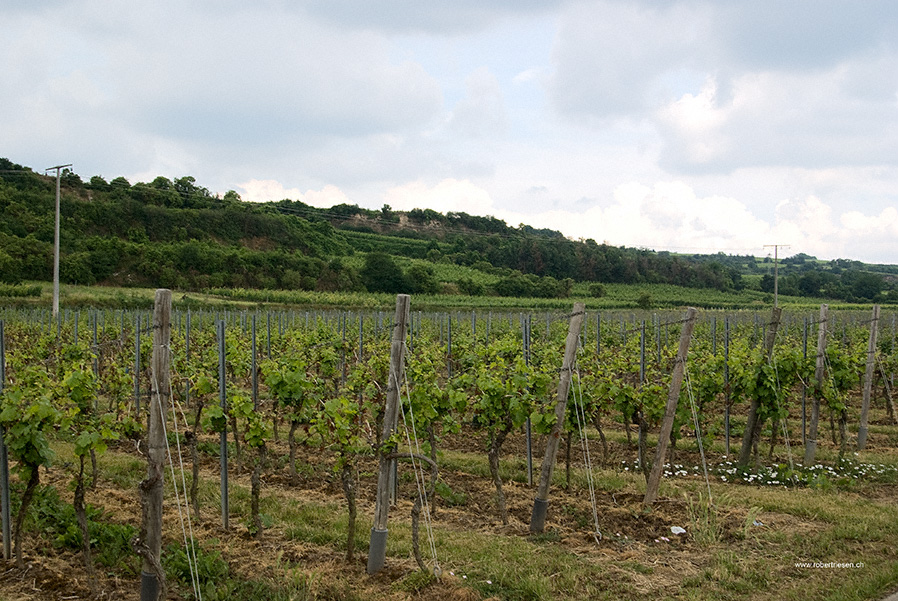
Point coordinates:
[(617, 296)]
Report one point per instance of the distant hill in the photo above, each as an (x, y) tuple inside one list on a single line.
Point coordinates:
[(174, 233)]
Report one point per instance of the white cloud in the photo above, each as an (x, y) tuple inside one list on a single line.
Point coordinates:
[(528, 75), (265, 190), (449, 195), (870, 238), (774, 118), (669, 215), (694, 121), (303, 81)]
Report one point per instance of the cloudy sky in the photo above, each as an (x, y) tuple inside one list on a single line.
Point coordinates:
[(685, 125)]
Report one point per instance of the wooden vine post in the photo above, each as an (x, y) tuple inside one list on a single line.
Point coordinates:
[(868, 379), (654, 479), (753, 425), (541, 503), (149, 545), (810, 447), (378, 545)]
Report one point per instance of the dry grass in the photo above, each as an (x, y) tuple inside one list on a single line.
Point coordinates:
[(744, 545)]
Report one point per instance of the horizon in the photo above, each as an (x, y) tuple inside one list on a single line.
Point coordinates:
[(683, 126), (769, 255)]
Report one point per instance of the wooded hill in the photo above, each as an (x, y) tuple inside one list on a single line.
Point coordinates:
[(176, 234)]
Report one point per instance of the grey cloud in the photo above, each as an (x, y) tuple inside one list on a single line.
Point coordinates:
[(826, 72), (611, 58), (482, 111), (413, 16), (802, 34), (206, 81), (303, 80), (619, 57)]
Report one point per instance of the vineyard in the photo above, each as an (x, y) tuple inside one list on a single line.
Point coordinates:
[(289, 438)]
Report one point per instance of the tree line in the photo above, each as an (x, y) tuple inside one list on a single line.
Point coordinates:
[(176, 233)]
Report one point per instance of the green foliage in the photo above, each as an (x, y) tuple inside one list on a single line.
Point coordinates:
[(530, 285), (644, 301), (255, 430), (492, 391), (18, 291), (421, 279), (211, 569), (470, 287), (382, 274), (215, 419), (449, 496), (110, 542), (29, 414), (504, 391), (432, 400), (292, 387)]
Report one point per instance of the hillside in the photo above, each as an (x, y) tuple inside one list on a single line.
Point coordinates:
[(175, 233)]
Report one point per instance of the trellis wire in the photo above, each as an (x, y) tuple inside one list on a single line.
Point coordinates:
[(419, 472), (580, 412)]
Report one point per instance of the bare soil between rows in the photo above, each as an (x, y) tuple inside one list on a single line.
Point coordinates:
[(628, 531)]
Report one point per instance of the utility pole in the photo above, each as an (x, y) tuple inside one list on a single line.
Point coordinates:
[(776, 271), (59, 169)]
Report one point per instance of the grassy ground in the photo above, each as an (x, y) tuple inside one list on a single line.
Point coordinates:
[(744, 541)]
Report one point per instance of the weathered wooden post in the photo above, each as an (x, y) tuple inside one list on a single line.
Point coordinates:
[(868, 379), (541, 503), (752, 425), (377, 548), (149, 545), (810, 446), (654, 479)]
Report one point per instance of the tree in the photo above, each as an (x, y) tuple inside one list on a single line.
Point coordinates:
[(382, 274), (162, 183), (71, 179), (470, 287), (120, 182), (192, 194), (421, 279), (644, 301), (98, 183), (596, 290), (863, 284), (387, 214)]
